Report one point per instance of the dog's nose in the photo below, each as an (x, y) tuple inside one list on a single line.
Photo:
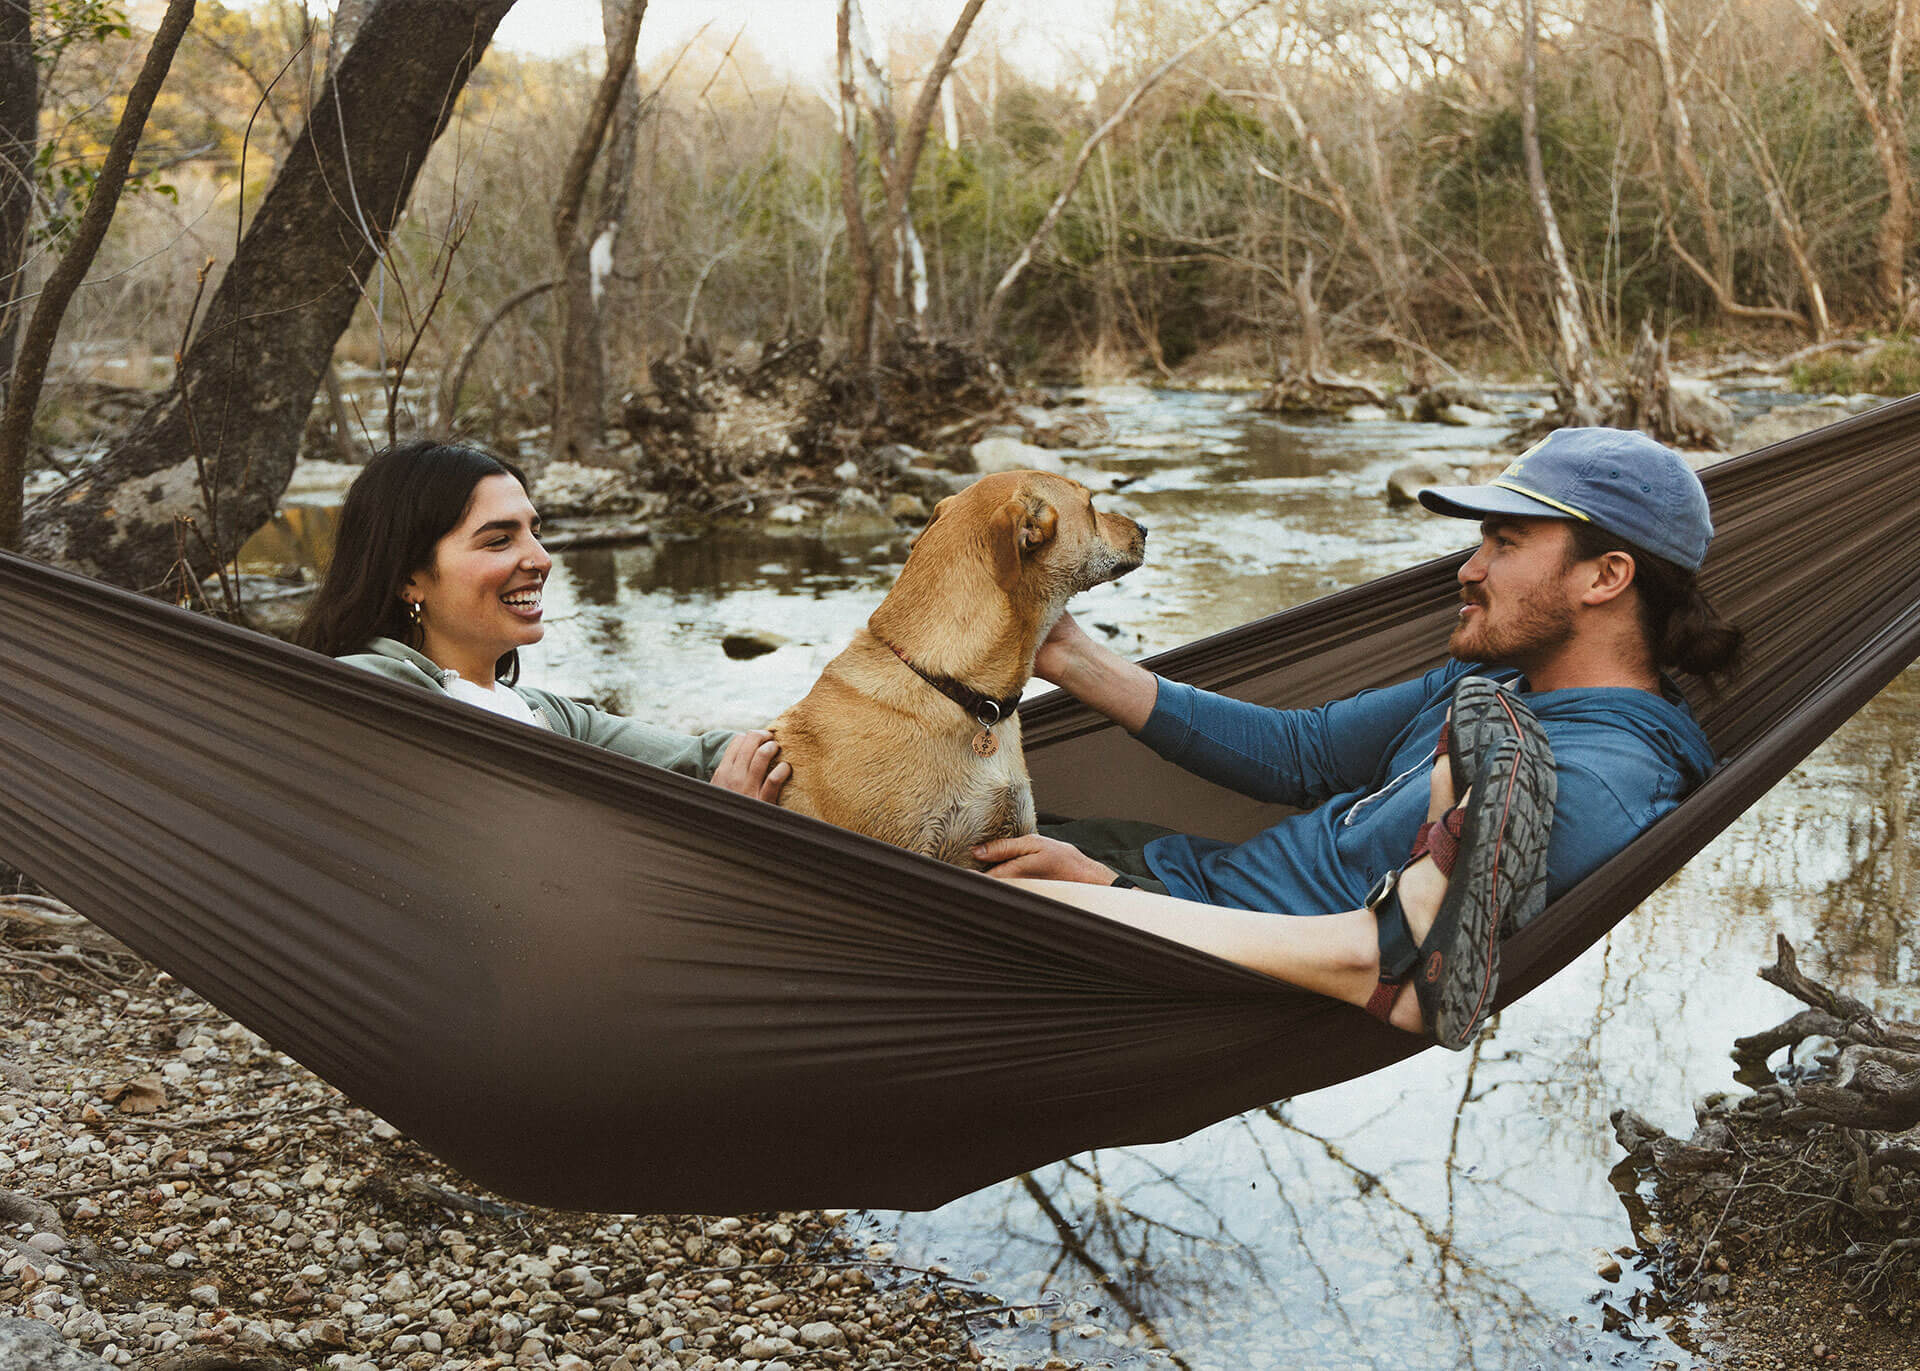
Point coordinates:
[(1143, 531)]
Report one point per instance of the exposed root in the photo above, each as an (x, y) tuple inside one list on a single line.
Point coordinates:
[(1820, 1163)]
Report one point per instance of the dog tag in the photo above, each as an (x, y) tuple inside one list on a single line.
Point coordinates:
[(985, 744)]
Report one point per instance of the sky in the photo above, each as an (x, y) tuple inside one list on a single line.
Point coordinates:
[(1047, 41)]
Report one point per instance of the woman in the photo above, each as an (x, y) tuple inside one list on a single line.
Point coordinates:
[(436, 581)]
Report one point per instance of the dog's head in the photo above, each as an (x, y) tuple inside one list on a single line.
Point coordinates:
[(1037, 534)]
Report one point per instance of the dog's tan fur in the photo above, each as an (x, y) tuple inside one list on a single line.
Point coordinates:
[(877, 749)]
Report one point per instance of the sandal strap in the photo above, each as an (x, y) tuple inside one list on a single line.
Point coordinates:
[(1440, 839), (1397, 951)]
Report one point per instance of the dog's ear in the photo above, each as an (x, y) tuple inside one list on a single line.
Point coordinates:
[(1016, 528), (932, 518)]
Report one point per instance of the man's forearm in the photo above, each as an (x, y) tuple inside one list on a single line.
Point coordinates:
[(1124, 691)]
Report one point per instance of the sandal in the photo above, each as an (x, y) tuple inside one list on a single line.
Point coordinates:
[(1483, 712), (1493, 850)]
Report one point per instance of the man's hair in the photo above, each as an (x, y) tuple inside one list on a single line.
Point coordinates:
[(1681, 628)]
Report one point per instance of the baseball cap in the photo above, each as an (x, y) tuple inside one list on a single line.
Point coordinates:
[(1615, 479)]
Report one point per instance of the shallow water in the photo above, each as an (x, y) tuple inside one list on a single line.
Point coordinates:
[(1442, 1213)]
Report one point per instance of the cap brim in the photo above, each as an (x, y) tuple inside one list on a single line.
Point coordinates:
[(1477, 502)]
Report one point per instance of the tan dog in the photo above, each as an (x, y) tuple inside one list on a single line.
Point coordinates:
[(909, 735)]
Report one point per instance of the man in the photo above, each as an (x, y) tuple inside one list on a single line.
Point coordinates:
[(1580, 596)]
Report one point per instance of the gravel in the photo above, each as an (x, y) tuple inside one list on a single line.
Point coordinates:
[(232, 1202)]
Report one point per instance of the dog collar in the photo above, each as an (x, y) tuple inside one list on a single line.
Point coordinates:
[(984, 710)]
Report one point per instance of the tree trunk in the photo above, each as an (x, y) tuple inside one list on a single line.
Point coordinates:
[(586, 246), (898, 269), (36, 348), (242, 391), (19, 144), (1717, 272), (1586, 398), (1780, 208), (859, 245), (1696, 179), (1887, 123), (990, 316)]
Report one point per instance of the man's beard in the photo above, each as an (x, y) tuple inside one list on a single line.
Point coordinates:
[(1526, 632)]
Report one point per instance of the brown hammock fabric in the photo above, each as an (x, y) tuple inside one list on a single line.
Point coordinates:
[(590, 984)]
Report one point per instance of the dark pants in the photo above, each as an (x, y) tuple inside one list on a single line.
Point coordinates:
[(1119, 843)]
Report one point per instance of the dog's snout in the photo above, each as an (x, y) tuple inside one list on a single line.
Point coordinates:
[(1143, 530)]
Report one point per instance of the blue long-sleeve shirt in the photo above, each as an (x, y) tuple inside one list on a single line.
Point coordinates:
[(1359, 769)]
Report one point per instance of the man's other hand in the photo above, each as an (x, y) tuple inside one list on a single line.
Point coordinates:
[(1043, 859)]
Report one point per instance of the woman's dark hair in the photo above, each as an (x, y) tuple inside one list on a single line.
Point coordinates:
[(1681, 628), (407, 498)]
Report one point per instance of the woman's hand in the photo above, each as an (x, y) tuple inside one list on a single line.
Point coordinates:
[(751, 766), (1045, 858)]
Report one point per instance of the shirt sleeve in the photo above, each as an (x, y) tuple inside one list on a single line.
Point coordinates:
[(1298, 757), (693, 755)]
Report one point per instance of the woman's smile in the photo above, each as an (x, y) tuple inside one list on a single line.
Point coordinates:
[(481, 596)]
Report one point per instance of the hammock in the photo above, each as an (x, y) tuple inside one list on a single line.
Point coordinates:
[(590, 984)]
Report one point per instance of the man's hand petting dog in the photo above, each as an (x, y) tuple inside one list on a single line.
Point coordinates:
[(1040, 858), (751, 766)]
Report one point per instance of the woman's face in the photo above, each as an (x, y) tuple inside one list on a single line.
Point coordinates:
[(479, 597)]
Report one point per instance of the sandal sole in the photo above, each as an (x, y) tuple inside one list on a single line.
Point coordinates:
[(1501, 870), (1484, 712)]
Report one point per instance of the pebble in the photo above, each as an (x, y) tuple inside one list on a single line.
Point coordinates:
[(297, 1213)]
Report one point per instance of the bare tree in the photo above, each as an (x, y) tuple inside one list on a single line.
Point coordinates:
[(19, 144), (585, 243), (849, 31), (887, 289), (990, 316), (1717, 273), (1780, 208), (1887, 123), (1586, 397), (245, 383), (36, 347)]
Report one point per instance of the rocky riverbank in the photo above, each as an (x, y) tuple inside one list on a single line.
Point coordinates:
[(1791, 1217), (177, 1196)]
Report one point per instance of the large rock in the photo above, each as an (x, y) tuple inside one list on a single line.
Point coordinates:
[(1698, 412), (1466, 416), (30, 1345), (1405, 483), (998, 454), (1789, 421)]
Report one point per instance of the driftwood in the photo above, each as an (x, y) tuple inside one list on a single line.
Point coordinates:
[(1824, 1155), (715, 429)]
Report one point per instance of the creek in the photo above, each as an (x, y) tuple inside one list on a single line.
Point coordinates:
[(1446, 1212)]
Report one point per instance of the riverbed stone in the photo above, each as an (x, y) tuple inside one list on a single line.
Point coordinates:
[(1698, 411), (1788, 421), (997, 454), (1466, 416), (1365, 414), (35, 1345), (1405, 483)]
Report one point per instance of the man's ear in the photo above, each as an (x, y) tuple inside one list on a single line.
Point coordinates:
[(1612, 573), (1016, 529)]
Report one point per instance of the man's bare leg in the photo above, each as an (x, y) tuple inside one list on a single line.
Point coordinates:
[(1337, 955)]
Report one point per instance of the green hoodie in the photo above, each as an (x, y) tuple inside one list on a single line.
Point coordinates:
[(629, 737)]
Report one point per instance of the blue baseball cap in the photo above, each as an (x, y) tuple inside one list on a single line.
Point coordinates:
[(1615, 479)]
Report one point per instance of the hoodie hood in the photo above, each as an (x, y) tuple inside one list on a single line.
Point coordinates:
[(1662, 724)]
